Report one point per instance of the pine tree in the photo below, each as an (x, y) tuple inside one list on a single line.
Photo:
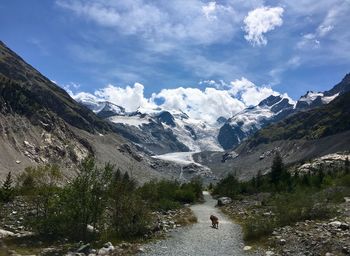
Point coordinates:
[(7, 191), (277, 169), (347, 165), (259, 180)]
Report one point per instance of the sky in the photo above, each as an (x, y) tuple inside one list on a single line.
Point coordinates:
[(183, 54)]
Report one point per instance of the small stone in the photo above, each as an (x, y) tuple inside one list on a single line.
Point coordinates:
[(84, 249), (335, 224), (269, 253), (247, 248), (108, 244), (18, 162), (141, 250), (282, 241)]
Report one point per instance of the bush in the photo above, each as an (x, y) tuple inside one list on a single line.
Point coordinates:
[(167, 195), (66, 211), (256, 227)]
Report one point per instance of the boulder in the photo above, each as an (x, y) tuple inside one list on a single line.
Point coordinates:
[(224, 201), (5, 233)]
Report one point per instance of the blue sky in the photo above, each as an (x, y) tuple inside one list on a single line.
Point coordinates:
[(85, 46)]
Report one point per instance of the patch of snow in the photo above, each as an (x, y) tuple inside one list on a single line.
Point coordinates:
[(328, 99), (183, 158), (130, 120), (204, 137), (310, 97)]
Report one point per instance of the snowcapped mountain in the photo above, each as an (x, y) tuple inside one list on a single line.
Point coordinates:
[(314, 99), (248, 121), (158, 131), (274, 109)]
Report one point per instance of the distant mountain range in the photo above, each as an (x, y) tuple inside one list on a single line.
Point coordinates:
[(160, 131), (40, 123), (157, 130)]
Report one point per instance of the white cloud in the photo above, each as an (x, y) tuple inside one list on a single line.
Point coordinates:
[(191, 22), (260, 21), (249, 93), (207, 104), (130, 98), (209, 10), (328, 24)]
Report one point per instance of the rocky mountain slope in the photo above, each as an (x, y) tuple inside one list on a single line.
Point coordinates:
[(271, 110), (40, 123)]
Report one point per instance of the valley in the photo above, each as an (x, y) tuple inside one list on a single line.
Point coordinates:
[(148, 167)]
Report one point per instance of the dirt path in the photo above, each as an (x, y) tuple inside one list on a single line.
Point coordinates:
[(200, 238)]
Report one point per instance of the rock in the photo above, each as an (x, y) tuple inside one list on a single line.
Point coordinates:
[(107, 249), (107, 245), (141, 250), (247, 248), (5, 233), (329, 254), (344, 226), (282, 241), (335, 224), (91, 229), (269, 253), (84, 249), (345, 250), (224, 201)]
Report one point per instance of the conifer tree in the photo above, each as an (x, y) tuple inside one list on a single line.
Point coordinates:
[(277, 169), (347, 165), (7, 191)]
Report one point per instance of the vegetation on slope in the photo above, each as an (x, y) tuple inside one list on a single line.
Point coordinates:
[(313, 124), (99, 203), (293, 197)]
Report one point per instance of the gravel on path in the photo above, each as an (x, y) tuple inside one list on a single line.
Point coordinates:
[(200, 238)]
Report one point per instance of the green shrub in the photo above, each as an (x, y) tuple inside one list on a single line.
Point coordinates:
[(185, 195), (256, 227), (166, 195)]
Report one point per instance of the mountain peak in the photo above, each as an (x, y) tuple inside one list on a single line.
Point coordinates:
[(340, 88), (271, 100)]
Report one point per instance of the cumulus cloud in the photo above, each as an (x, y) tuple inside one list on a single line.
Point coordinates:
[(131, 98), (218, 99), (249, 93), (206, 105), (260, 21)]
